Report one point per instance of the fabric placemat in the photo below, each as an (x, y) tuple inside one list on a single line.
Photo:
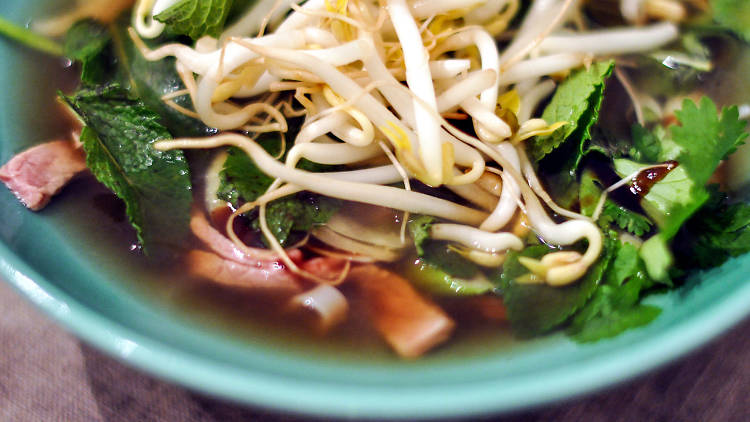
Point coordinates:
[(46, 374)]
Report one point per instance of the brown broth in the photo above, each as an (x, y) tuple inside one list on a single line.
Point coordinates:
[(92, 216)]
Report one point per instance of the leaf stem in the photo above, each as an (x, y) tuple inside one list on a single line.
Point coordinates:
[(29, 38)]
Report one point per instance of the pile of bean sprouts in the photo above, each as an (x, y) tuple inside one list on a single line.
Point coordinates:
[(380, 84)]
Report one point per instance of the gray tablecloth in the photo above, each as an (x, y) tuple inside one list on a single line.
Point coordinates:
[(48, 375)]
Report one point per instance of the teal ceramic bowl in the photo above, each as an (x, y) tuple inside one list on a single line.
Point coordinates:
[(66, 263)]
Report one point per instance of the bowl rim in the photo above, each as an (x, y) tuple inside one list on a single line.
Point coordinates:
[(314, 397), (309, 396)]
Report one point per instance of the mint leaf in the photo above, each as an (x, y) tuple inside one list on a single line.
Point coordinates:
[(108, 55), (535, 309), (734, 15), (242, 181), (150, 81), (87, 42), (297, 213), (699, 143), (615, 306), (196, 18), (155, 185), (576, 101)]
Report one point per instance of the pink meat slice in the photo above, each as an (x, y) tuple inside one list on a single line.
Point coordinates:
[(325, 267), (411, 323), (224, 247), (267, 277), (37, 174)]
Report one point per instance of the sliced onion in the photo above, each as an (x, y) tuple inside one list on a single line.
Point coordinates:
[(326, 302), (339, 241), (376, 224)]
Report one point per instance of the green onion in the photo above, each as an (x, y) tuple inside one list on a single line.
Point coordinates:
[(30, 38)]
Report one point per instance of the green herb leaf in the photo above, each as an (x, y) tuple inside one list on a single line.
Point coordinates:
[(625, 219), (243, 181), (86, 42), (647, 145), (419, 228), (706, 137), (699, 143), (612, 214), (430, 277), (438, 254), (576, 101), (196, 18), (734, 15), (615, 306), (535, 309), (718, 231), (298, 213), (155, 185), (150, 81)]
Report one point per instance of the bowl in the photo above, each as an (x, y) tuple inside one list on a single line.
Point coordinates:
[(71, 268)]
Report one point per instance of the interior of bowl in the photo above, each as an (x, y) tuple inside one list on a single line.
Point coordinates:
[(73, 269)]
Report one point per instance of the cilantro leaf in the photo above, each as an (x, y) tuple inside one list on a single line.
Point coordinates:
[(699, 143), (576, 101), (718, 231), (155, 185), (625, 219), (604, 318), (612, 214), (705, 137), (734, 15), (196, 18)]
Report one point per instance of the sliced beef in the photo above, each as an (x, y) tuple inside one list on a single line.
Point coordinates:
[(224, 247), (267, 277), (411, 323), (38, 173)]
